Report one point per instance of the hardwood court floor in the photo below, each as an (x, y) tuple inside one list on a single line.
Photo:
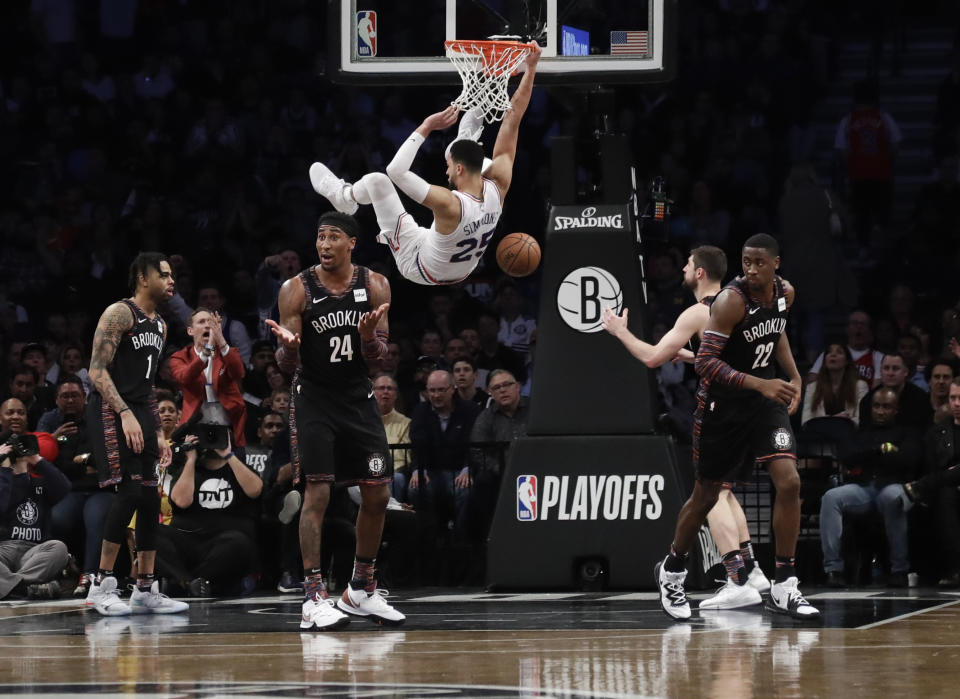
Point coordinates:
[(868, 643)]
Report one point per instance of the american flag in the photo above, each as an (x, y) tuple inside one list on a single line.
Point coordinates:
[(628, 43)]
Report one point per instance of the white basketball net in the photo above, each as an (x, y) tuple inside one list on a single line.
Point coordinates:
[(485, 68)]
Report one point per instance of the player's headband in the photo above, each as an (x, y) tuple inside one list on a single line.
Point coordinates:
[(345, 222)]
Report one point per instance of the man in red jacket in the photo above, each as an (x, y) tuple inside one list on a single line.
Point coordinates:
[(210, 369)]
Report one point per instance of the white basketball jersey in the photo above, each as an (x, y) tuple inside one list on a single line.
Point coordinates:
[(445, 259)]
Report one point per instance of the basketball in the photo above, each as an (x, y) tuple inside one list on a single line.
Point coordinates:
[(518, 254)]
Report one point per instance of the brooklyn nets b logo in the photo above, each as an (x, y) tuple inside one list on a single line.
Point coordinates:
[(583, 295)]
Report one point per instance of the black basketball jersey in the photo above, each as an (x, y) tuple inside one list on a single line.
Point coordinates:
[(135, 362), (330, 351), (752, 346)]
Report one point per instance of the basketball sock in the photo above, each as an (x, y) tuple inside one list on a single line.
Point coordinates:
[(363, 574), (675, 562), (746, 550), (736, 571), (358, 192), (101, 574), (145, 581), (313, 584), (786, 568)]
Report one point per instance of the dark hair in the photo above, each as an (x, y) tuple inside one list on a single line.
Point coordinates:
[(141, 265), (711, 260), (941, 361), (468, 360), (894, 354), (468, 153), (345, 222), (163, 394), (836, 401), (261, 345), (266, 415), (25, 369), (69, 378), (909, 336), (763, 242)]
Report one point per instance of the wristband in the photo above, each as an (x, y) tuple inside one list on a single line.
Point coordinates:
[(230, 456), (122, 411)]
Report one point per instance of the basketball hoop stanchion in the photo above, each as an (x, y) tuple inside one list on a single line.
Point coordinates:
[(486, 67)]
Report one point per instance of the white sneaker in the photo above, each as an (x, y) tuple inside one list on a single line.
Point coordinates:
[(732, 596), (105, 598), (320, 614), (330, 186), (757, 580), (154, 602), (672, 597), (785, 598), (372, 605)]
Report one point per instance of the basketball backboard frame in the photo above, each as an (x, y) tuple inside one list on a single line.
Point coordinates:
[(659, 65)]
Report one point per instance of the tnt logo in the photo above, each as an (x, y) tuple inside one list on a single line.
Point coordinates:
[(526, 498), (366, 34)]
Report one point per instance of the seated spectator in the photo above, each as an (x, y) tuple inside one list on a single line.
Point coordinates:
[(516, 328), (859, 332), (838, 389), (938, 487), (71, 363), (29, 559), (413, 388), (913, 405), (397, 426), (494, 354), (440, 433), (452, 351), (431, 344), (211, 541), (908, 347), (210, 370), (504, 420), (23, 386), (257, 455), (940, 374), (78, 518), (883, 457), (465, 379)]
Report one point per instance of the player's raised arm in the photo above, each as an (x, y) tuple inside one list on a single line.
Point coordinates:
[(687, 325), (438, 199), (374, 327), (291, 302), (505, 148), (726, 312)]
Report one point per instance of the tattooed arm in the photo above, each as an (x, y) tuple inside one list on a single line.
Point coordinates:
[(116, 320)]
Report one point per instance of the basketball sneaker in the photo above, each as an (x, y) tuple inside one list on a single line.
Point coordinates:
[(330, 186), (785, 598), (106, 599), (672, 597), (757, 580), (372, 605), (154, 602), (320, 614), (732, 596), (291, 506)]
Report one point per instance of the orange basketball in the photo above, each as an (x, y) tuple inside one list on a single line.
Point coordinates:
[(518, 254)]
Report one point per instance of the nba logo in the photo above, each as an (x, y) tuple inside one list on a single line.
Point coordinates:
[(366, 34), (526, 498)]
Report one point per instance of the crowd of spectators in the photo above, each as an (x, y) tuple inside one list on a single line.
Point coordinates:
[(189, 127)]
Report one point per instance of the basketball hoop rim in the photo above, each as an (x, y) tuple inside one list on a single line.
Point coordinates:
[(486, 46)]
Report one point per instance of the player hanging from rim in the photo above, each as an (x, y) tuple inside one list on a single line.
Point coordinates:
[(743, 411), (703, 274), (465, 218)]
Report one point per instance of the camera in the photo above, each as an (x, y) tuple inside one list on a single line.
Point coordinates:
[(210, 424), (23, 444)]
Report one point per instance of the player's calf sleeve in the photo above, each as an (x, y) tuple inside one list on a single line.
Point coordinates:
[(148, 514)]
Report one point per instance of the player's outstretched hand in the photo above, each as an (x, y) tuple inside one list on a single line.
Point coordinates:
[(441, 120), (779, 390), (534, 56), (369, 320), (290, 340), (613, 323)]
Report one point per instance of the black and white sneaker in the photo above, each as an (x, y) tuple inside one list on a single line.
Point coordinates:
[(672, 597), (785, 598)]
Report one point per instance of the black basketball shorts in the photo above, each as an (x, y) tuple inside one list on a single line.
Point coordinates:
[(729, 436), (114, 458), (335, 437)]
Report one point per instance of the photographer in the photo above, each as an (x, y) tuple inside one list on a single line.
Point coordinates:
[(29, 487), (211, 541)]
